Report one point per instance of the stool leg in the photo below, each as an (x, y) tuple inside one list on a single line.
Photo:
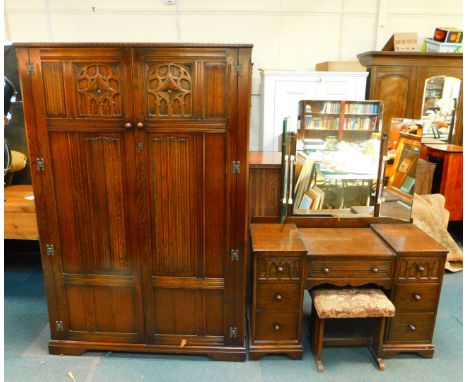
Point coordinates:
[(318, 327), (377, 342)]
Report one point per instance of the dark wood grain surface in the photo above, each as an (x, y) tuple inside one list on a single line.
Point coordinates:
[(276, 238), (137, 196)]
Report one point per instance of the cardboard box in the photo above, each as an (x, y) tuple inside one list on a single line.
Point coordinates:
[(431, 46), (402, 42), (340, 66), (448, 35)]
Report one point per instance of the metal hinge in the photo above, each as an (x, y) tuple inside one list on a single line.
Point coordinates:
[(40, 164), (50, 248), (59, 326), (30, 68), (233, 331), (238, 69), (234, 254), (235, 167)]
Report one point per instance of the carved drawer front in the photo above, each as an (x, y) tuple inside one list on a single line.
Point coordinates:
[(319, 269), (279, 268), (408, 327), (279, 326), (416, 297), (421, 269), (279, 296)]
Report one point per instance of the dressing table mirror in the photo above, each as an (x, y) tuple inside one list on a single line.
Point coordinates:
[(333, 161), (332, 158)]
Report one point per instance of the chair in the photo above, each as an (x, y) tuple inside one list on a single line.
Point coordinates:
[(331, 304)]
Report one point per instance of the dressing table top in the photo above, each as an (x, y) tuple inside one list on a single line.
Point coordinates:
[(361, 242)]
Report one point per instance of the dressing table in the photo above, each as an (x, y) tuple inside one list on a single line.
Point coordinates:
[(288, 258), (341, 241)]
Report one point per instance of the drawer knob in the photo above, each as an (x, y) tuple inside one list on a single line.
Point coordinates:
[(278, 297), (279, 268), (412, 327), (276, 327), (375, 269), (326, 270), (417, 297), (421, 268)]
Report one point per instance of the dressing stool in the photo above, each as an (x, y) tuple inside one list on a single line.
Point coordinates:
[(349, 303)]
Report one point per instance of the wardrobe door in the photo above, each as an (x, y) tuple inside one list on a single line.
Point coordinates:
[(185, 110), (86, 191), (395, 86)]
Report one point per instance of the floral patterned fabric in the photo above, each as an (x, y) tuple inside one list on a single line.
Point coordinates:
[(352, 303)]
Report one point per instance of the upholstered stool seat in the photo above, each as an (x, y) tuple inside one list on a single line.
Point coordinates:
[(346, 304), (352, 303)]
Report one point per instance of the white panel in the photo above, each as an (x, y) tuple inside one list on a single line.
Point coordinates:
[(109, 27), (255, 143), (307, 40), (425, 6), (236, 5), (358, 36), (311, 6), (24, 4), (28, 27), (100, 5), (363, 6)]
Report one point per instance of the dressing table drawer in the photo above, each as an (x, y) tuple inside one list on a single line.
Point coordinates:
[(278, 296), (405, 327), (416, 297), (320, 269), (419, 269), (278, 326), (284, 268)]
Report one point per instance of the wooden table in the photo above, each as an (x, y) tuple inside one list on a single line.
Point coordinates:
[(20, 213)]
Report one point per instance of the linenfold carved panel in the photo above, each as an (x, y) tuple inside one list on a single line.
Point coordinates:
[(275, 268), (105, 190), (99, 89), (174, 191), (169, 90)]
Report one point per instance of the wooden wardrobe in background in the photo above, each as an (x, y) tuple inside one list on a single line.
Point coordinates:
[(139, 170)]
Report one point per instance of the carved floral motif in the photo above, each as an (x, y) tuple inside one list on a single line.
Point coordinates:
[(169, 90)]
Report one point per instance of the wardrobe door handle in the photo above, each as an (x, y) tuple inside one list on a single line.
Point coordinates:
[(326, 270), (279, 268), (375, 269), (412, 327), (128, 125), (276, 327), (421, 268), (417, 297), (140, 125), (278, 297)]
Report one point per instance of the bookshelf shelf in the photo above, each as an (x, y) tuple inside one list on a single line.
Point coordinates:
[(342, 117)]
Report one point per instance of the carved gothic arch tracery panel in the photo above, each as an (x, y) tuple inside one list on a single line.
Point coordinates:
[(99, 90), (169, 90)]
